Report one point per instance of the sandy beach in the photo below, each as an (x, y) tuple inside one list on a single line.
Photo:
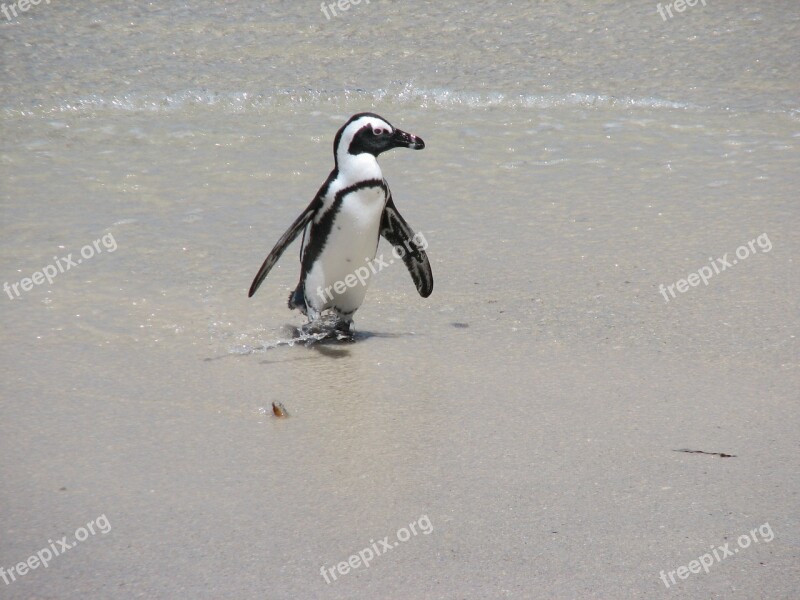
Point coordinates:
[(599, 399)]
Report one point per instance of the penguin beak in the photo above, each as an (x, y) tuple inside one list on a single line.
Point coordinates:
[(406, 140)]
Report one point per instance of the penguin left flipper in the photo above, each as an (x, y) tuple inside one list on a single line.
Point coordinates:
[(400, 235), (286, 239)]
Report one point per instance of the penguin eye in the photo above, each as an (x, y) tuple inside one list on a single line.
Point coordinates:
[(378, 131)]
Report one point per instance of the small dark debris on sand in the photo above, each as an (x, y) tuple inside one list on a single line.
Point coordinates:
[(279, 410), (720, 454)]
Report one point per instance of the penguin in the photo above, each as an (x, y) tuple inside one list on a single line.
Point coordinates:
[(343, 224)]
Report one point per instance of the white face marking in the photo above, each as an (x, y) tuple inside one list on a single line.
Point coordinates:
[(362, 166)]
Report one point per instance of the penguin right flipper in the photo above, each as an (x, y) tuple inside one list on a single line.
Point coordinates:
[(400, 235), (286, 239)]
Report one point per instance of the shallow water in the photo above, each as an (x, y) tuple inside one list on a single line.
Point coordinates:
[(577, 158)]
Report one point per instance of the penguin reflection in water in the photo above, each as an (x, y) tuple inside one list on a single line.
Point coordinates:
[(342, 227)]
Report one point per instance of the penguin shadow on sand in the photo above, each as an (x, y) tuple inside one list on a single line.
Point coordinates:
[(333, 347), (324, 340), (327, 341), (330, 347)]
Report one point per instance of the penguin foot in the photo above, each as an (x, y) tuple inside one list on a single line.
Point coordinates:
[(328, 327), (344, 332)]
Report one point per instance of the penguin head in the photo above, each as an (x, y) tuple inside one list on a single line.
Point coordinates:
[(368, 133)]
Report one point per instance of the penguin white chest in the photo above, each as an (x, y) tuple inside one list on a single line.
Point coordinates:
[(354, 235), (352, 243)]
